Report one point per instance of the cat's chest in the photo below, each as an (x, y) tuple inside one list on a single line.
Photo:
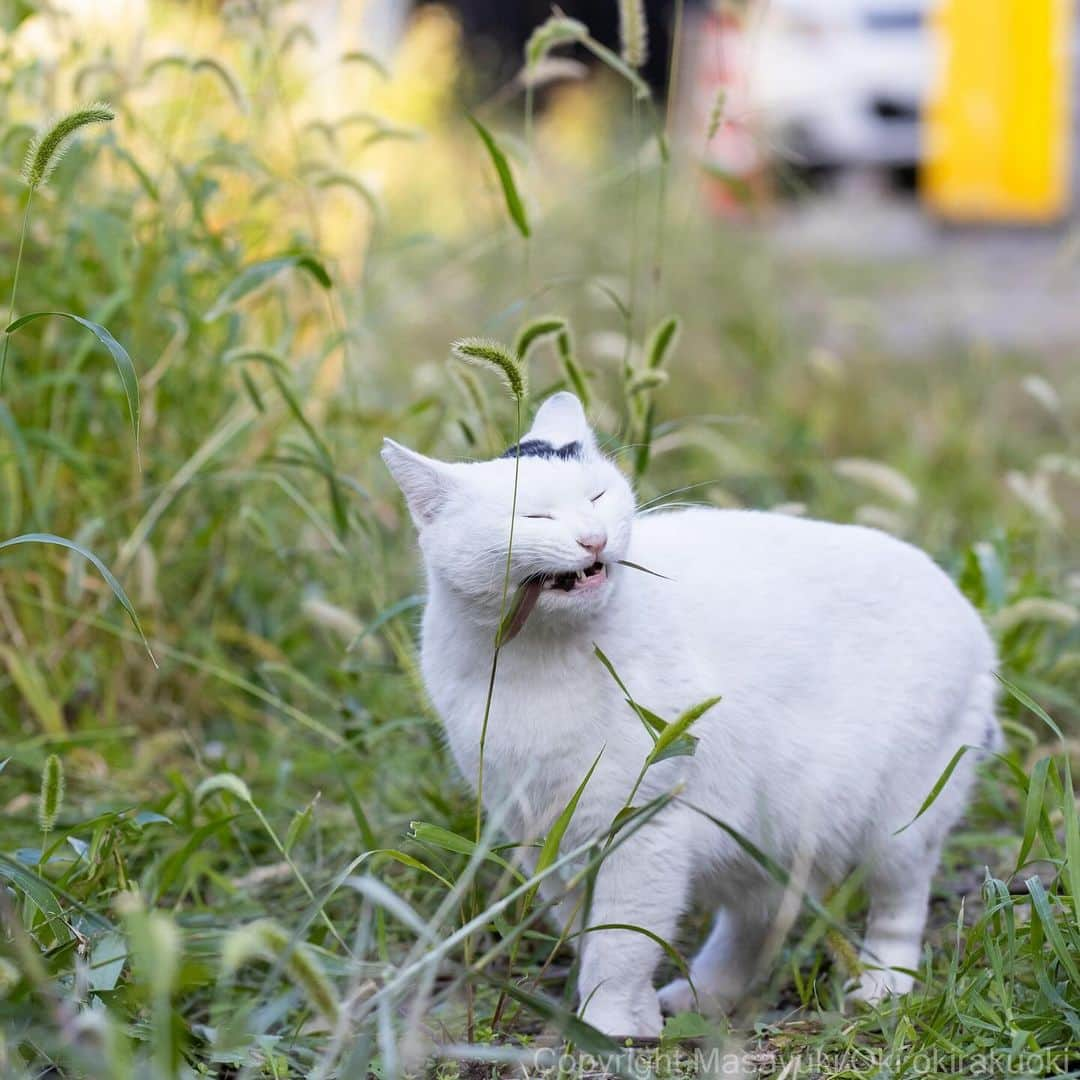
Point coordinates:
[(553, 715), (546, 706)]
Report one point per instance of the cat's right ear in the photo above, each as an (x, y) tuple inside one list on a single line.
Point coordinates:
[(424, 481)]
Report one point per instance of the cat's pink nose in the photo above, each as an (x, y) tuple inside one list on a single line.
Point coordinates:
[(593, 541)]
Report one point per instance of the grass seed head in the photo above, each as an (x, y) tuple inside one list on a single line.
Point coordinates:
[(9, 977), (662, 341), (268, 939), (643, 381), (52, 793), (48, 147), (485, 352), (558, 30), (633, 32)]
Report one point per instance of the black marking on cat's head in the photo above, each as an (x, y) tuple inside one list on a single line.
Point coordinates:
[(543, 449)]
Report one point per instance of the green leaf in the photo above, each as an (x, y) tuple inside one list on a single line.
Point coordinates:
[(653, 724), (257, 274), (514, 206), (549, 852), (1072, 840), (102, 569), (536, 331), (772, 868), (674, 741), (669, 950), (582, 1034), (128, 378), (40, 893), (451, 841), (983, 578), (1041, 903), (627, 813), (651, 721), (1031, 704), (107, 960), (1034, 813), (688, 1025), (47, 895), (174, 864), (935, 791), (299, 825), (229, 782), (411, 861)]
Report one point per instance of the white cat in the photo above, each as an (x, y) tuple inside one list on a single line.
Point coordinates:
[(850, 668)]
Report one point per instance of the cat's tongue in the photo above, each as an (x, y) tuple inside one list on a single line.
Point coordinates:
[(528, 592)]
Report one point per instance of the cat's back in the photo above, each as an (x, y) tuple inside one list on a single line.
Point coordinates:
[(777, 569)]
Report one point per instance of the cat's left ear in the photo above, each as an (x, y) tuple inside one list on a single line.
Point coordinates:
[(424, 482), (561, 421)]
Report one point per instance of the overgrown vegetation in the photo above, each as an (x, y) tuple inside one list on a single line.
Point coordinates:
[(253, 857)]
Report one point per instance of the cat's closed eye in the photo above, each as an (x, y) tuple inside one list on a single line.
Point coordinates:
[(595, 498), (538, 517)]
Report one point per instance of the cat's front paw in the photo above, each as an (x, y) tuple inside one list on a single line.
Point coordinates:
[(622, 1017), (877, 984), (679, 997)]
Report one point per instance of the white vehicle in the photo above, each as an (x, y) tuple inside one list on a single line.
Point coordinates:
[(840, 82)]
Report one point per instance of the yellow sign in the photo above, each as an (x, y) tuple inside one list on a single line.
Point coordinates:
[(997, 122)]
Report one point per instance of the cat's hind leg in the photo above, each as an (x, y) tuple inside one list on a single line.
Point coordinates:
[(902, 867), (892, 947), (725, 968)]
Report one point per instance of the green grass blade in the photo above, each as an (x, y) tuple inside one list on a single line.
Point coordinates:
[(936, 790), (1031, 704), (536, 331), (1034, 813), (674, 741), (549, 851), (514, 206), (128, 378), (669, 950), (1072, 840), (437, 836), (1048, 921), (258, 274), (102, 569)]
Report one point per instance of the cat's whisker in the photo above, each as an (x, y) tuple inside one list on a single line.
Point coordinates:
[(675, 491)]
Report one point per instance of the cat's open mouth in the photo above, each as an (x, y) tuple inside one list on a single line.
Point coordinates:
[(574, 580)]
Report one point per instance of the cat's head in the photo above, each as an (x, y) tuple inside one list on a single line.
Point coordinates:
[(572, 524)]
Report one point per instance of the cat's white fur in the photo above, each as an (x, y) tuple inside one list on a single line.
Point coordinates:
[(851, 670)]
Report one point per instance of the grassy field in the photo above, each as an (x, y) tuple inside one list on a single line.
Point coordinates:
[(248, 854)]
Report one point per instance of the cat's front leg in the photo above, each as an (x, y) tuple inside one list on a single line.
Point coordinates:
[(643, 883)]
